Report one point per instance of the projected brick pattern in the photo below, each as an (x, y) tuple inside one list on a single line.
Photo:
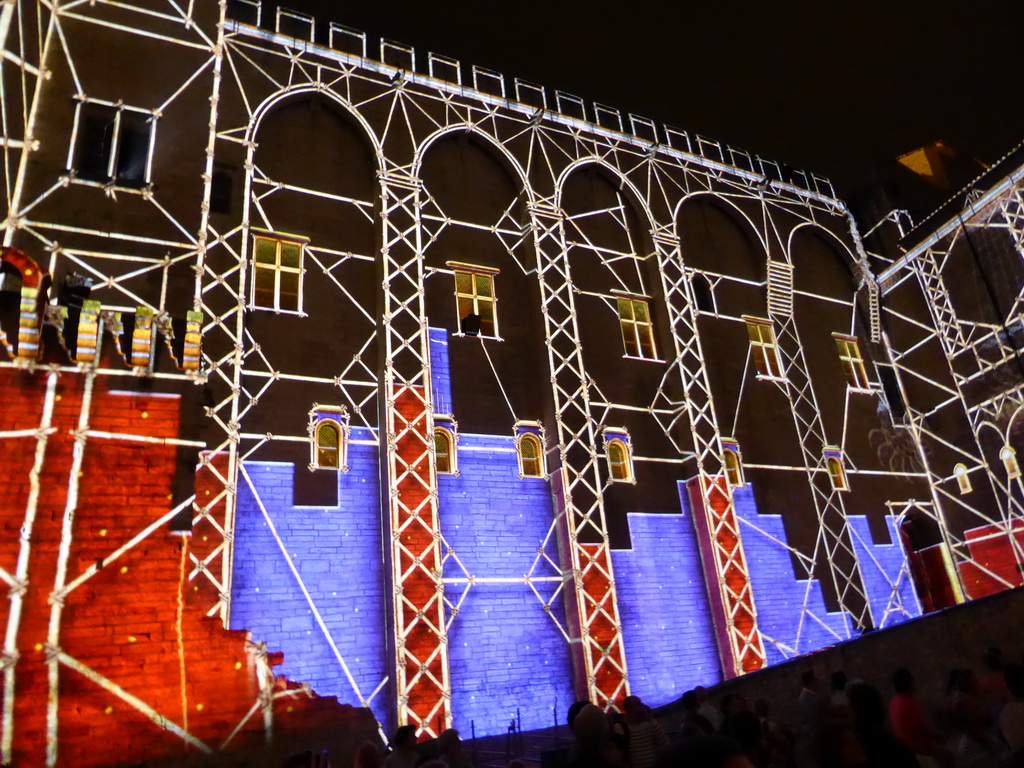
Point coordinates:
[(143, 674), (337, 552), (663, 602), (791, 612), (886, 573), (993, 560), (508, 651)]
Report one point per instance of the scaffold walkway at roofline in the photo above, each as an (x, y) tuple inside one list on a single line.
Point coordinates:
[(244, 64)]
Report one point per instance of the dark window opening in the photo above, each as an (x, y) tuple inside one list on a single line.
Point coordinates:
[(893, 395), (113, 144), (221, 185), (702, 294), (95, 134), (132, 149)]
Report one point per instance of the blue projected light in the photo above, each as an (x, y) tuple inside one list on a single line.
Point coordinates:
[(791, 612), (663, 606), (505, 650), (884, 571), (337, 552)]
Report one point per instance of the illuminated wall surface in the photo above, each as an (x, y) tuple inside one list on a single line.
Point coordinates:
[(506, 651), (664, 606), (706, 426), (337, 554)]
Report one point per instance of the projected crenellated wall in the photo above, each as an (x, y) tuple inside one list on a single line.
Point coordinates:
[(309, 581)]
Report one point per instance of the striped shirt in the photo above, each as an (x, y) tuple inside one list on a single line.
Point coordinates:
[(646, 740)]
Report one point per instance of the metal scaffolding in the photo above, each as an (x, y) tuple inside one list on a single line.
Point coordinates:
[(242, 71)]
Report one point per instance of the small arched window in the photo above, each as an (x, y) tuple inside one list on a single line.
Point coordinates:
[(733, 468), (963, 480), (443, 451), (530, 464), (1009, 457), (836, 473), (618, 460), (328, 445)]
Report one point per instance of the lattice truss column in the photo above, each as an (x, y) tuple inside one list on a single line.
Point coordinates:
[(744, 649), (27, 38), (251, 372), (833, 548), (1011, 206), (578, 483), (422, 675)]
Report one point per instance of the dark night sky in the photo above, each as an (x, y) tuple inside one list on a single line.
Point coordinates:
[(831, 86)]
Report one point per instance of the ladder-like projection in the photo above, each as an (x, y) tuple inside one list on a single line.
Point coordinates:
[(833, 528), (874, 310), (578, 483), (743, 649)]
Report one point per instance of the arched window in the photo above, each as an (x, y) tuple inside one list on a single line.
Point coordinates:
[(733, 468), (618, 460), (1009, 457), (836, 473), (444, 451), (530, 464), (962, 478), (328, 445)]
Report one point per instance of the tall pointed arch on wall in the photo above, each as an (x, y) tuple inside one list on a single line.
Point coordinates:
[(819, 402), (311, 179), (684, 259), (308, 209), (724, 255), (479, 259), (491, 377)]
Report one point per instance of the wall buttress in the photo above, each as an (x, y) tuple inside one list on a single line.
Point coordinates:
[(577, 483), (422, 680)]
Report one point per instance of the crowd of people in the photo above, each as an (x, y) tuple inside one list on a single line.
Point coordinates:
[(848, 724)]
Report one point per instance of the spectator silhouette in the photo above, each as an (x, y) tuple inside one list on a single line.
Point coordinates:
[(645, 736), (910, 723), (1011, 719), (707, 709), (403, 749), (593, 747), (882, 749), (367, 756), (705, 752), (450, 747), (694, 724)]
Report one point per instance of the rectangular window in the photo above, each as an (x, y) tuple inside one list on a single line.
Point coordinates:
[(113, 143), (764, 347), (893, 393), (637, 331), (853, 363), (474, 296), (277, 274)]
